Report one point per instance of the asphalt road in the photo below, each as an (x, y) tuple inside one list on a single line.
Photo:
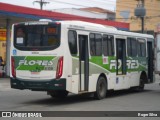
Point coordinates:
[(26, 100)]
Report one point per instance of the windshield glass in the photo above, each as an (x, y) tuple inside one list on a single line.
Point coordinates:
[(41, 37)]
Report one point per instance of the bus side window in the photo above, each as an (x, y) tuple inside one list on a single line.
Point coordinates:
[(92, 44), (72, 41), (132, 47), (98, 44), (95, 44), (141, 48), (108, 45)]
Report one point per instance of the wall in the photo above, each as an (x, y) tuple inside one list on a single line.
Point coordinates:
[(125, 8)]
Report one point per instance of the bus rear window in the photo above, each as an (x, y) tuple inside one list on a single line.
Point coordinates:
[(39, 37)]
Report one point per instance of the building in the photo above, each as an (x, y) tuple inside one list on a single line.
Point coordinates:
[(125, 13), (3, 44), (91, 12)]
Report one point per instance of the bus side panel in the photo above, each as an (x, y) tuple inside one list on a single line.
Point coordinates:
[(68, 72), (93, 82), (67, 66), (75, 74), (134, 79), (111, 80)]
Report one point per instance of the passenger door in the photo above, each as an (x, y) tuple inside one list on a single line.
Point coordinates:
[(83, 62), (121, 56), (150, 61)]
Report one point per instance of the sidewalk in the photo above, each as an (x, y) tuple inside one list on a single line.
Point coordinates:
[(157, 77), (2, 72), (5, 84)]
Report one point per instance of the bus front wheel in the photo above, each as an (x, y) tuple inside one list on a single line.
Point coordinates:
[(101, 88)]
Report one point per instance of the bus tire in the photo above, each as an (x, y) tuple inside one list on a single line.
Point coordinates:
[(58, 94), (140, 88), (141, 85), (101, 88)]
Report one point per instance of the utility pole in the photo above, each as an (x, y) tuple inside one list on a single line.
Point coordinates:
[(140, 12), (41, 3), (142, 18)]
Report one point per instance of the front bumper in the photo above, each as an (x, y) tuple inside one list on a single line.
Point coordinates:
[(42, 85)]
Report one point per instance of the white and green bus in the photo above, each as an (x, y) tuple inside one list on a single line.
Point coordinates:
[(63, 57)]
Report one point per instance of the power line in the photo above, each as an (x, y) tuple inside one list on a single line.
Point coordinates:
[(134, 7), (77, 4), (122, 5), (134, 18), (68, 3), (150, 17), (95, 1)]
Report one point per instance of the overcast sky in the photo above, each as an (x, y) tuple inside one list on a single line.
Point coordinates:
[(57, 4)]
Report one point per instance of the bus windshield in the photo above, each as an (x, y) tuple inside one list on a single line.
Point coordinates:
[(39, 37)]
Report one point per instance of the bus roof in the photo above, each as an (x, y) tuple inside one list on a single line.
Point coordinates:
[(87, 24), (108, 29)]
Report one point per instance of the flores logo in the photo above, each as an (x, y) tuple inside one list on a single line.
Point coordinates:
[(36, 62)]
